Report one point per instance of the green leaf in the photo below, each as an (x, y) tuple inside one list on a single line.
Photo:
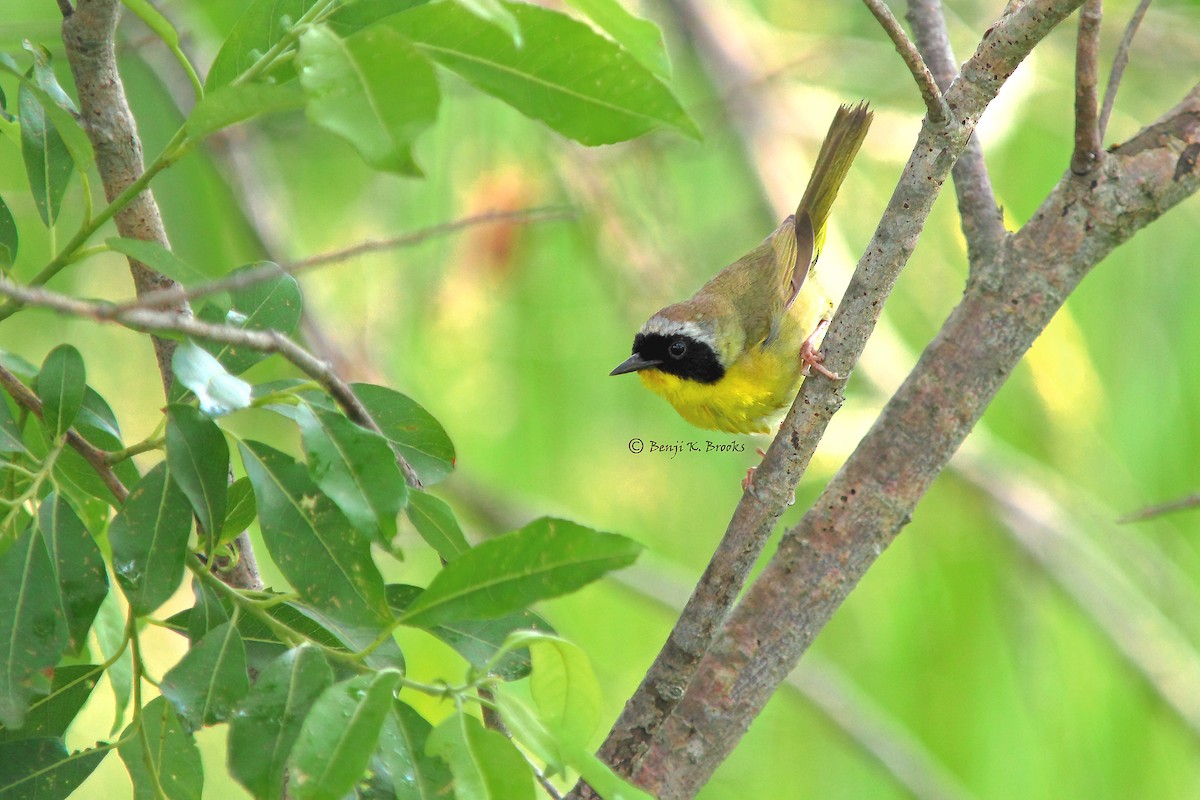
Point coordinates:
[(43, 85), (579, 83), (565, 690), (412, 772), (356, 468), (109, 630), (496, 13), (373, 89), (81, 577), (158, 258), (48, 162), (8, 238), (528, 729), (207, 613), (149, 538), (32, 636), (205, 376), (486, 766), (10, 432), (161, 755), (268, 721), (640, 37), (210, 679), (353, 17), (241, 510), (198, 458), (42, 769), (546, 558), (61, 385), (261, 26), (232, 104), (339, 735), (271, 304), (417, 435), (478, 641), (316, 548), (601, 777), (52, 713), (434, 520)]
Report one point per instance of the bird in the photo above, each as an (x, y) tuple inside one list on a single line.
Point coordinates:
[(733, 355)]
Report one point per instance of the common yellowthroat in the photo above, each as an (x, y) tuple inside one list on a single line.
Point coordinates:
[(732, 357)]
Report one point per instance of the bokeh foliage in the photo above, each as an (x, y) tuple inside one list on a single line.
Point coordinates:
[(973, 648)]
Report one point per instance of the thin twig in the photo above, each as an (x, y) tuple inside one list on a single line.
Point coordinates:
[(1120, 61), (266, 341), (982, 221), (92, 454), (1087, 129), (1157, 510), (173, 296), (935, 102)]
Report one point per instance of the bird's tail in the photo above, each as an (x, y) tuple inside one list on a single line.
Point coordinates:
[(846, 134)]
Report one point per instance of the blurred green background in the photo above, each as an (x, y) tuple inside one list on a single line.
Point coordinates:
[(1014, 642)]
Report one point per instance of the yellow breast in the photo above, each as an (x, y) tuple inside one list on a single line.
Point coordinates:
[(755, 388)]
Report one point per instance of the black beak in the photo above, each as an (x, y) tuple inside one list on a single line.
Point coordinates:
[(632, 364)]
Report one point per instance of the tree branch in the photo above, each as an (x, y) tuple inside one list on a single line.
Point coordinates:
[(982, 221), (935, 103), (266, 341), (173, 296), (96, 457), (1120, 61), (1087, 151), (670, 680), (89, 35), (869, 501)]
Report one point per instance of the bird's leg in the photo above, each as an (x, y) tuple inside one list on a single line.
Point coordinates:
[(748, 481), (811, 355)]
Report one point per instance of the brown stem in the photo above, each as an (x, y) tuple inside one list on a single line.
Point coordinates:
[(89, 35), (266, 341), (935, 103), (96, 457), (1087, 127), (1120, 61), (982, 221)]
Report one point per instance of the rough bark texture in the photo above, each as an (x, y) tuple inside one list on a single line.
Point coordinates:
[(633, 744), (89, 34), (1005, 307)]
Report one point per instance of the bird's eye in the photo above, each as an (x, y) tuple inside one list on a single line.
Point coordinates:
[(678, 349)]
